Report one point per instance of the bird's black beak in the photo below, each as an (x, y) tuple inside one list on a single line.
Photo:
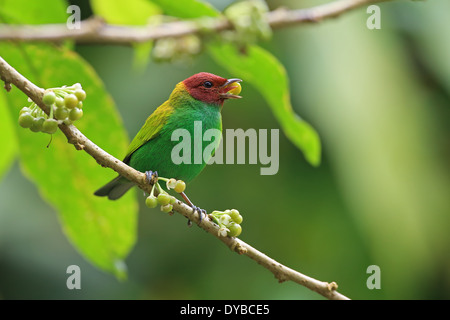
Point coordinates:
[(228, 86)]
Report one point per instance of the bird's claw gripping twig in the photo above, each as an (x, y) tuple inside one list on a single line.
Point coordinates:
[(200, 211), (152, 177)]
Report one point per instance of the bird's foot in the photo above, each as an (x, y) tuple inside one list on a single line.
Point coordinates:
[(200, 211), (152, 177)]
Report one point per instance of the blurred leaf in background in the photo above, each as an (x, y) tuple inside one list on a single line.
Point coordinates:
[(262, 69), (102, 231), (130, 12), (361, 86), (9, 145)]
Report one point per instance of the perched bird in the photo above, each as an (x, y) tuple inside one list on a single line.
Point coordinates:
[(198, 98)]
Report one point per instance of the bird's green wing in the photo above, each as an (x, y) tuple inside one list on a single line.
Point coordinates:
[(150, 129)]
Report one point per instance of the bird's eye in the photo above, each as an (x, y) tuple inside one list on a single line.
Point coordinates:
[(207, 84)]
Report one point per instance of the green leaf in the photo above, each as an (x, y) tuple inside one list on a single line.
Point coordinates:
[(267, 74), (187, 9), (103, 231), (379, 120), (432, 38), (131, 12), (31, 12), (260, 68), (7, 131)]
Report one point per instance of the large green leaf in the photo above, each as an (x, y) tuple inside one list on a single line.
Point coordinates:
[(433, 37), (103, 231), (260, 68), (131, 12), (31, 12), (187, 9), (9, 144), (267, 74), (378, 121), (134, 12)]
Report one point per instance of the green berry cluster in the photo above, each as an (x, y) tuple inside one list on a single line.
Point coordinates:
[(36, 120), (249, 21), (229, 222), (176, 49), (164, 199), (65, 105)]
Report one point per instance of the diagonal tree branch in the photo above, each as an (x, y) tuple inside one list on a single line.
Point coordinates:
[(10, 76), (96, 31)]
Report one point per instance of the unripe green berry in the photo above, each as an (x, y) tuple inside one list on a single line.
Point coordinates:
[(172, 200), (81, 95), (235, 216), (61, 113), (75, 114), (37, 124), (167, 208), (26, 120), (49, 98), (180, 186), (70, 101), (50, 126), (151, 202), (163, 199), (59, 102), (235, 230)]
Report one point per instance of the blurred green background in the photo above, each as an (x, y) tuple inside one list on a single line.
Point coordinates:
[(380, 102)]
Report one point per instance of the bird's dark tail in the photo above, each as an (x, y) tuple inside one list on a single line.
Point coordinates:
[(115, 188)]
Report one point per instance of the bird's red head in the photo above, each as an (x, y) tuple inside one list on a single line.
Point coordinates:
[(211, 89)]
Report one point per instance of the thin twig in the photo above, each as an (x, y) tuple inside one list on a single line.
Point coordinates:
[(10, 76), (95, 30)]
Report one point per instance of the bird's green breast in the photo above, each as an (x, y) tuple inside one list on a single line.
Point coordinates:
[(156, 154)]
